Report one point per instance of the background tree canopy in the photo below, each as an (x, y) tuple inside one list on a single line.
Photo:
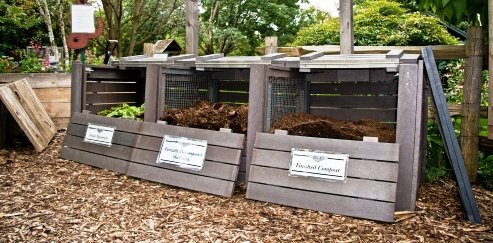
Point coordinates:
[(380, 22)]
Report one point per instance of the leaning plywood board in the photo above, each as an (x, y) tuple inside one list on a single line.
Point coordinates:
[(21, 101), (368, 192), (136, 145)]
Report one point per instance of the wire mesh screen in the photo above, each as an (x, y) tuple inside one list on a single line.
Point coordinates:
[(284, 96), (184, 90)]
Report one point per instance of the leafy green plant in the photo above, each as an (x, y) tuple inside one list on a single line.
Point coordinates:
[(7, 64), (124, 111), (31, 63), (453, 77)]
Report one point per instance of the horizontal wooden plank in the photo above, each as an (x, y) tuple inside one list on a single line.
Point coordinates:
[(53, 94), (210, 168), (119, 137), (232, 97), (354, 88), (126, 125), (357, 168), (113, 74), (352, 187), (115, 151), (96, 160), (234, 85), (350, 101), (112, 87), (356, 207), (92, 98), (183, 180), (40, 80), (381, 115), (355, 149), (56, 110)]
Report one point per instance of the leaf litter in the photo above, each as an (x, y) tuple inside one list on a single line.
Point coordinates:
[(45, 198)]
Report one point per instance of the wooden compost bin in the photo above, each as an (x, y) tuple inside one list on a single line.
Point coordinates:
[(382, 177), (214, 78)]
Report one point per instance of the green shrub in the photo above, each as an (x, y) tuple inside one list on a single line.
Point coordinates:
[(380, 22)]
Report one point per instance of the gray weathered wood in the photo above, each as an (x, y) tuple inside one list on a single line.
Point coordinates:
[(153, 75), (96, 160), (362, 88), (93, 86), (350, 101), (352, 187), (270, 44), (112, 98), (272, 56), (76, 88), (311, 56), (394, 53), (115, 151), (381, 115), (346, 26), (356, 149), (107, 73), (209, 57), (405, 134), (358, 168), (180, 179), (356, 207), (192, 27)]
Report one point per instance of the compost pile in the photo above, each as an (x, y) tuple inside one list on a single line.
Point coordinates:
[(47, 199), (209, 116), (303, 124)]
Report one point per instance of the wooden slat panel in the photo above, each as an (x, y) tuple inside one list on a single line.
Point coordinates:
[(340, 75), (126, 125), (356, 207), (209, 169), (113, 74), (112, 87), (112, 97), (354, 88), (381, 115), (368, 189), (115, 151), (120, 138), (234, 85), (175, 178), (53, 95), (356, 149), (347, 101), (55, 110), (365, 169), (96, 160), (230, 97)]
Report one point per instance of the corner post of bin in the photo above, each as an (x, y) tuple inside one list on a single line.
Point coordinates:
[(153, 77), (76, 87), (256, 102), (409, 119)]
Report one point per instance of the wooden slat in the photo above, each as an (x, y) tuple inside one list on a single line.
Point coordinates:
[(39, 80), (179, 179), (76, 96), (112, 87), (53, 95), (381, 115), (349, 101), (61, 123), (95, 108), (340, 75), (120, 138), (234, 85), (112, 97), (231, 97), (121, 124), (210, 168), (96, 160), (153, 80), (354, 88), (356, 149), (115, 151), (357, 168), (356, 207), (112, 74), (352, 187), (56, 110)]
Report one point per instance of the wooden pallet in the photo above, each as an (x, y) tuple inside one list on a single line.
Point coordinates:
[(136, 146), (369, 192)]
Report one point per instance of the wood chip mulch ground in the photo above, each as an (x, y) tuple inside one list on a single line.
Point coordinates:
[(45, 198)]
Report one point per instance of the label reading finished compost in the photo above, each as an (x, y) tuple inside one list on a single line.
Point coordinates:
[(99, 134), (318, 164), (183, 152)]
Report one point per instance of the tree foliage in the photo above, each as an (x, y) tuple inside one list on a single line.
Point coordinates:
[(380, 22), (456, 11)]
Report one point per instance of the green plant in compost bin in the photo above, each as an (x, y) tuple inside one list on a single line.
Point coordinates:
[(124, 111)]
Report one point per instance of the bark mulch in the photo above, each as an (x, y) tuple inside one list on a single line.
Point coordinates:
[(45, 198)]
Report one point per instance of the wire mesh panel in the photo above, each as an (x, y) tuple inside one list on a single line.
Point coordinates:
[(284, 96), (184, 90)]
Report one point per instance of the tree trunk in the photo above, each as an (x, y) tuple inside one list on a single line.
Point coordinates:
[(61, 23), (490, 69), (469, 136), (45, 12), (113, 12)]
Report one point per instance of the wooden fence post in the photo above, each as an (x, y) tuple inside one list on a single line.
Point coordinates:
[(76, 88), (192, 27), (270, 45), (347, 30), (153, 75)]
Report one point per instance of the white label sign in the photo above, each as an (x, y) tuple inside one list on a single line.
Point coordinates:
[(98, 134), (318, 164), (183, 152), (83, 19)]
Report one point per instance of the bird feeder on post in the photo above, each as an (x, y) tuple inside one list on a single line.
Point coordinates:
[(346, 26)]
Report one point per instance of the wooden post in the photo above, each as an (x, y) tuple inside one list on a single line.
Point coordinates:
[(490, 69), (346, 30), (148, 49), (270, 45), (192, 27), (153, 73), (76, 87), (469, 132)]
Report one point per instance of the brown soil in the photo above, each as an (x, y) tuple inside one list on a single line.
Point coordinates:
[(302, 124), (47, 199), (211, 117)]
